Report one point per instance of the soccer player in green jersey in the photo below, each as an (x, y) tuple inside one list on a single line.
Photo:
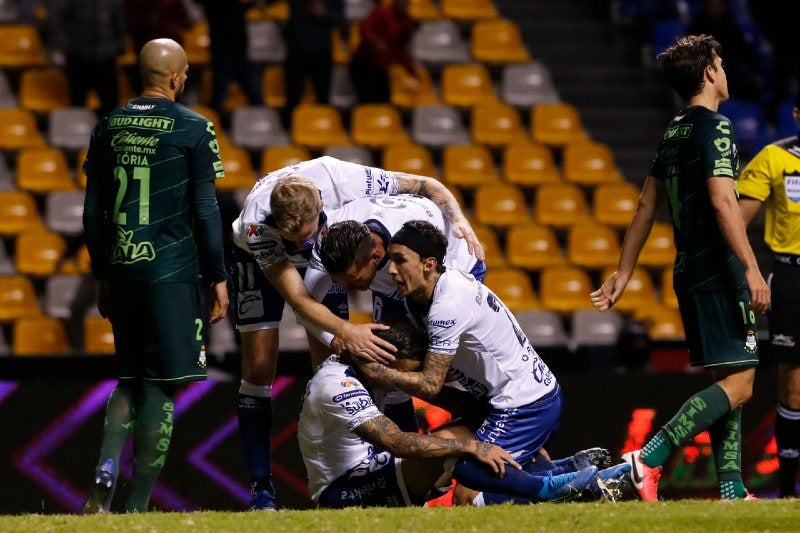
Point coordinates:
[(153, 231), (716, 277)]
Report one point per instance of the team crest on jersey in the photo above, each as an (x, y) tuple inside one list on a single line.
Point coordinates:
[(750, 343), (792, 186), (254, 231), (348, 383), (201, 360)]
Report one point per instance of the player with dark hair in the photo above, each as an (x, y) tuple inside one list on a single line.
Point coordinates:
[(153, 229), (716, 276)]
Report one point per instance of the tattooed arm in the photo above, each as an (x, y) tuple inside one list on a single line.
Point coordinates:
[(444, 200), (425, 384), (381, 431)]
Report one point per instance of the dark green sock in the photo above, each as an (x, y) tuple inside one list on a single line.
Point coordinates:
[(151, 440), (696, 415), (726, 441), (117, 425)]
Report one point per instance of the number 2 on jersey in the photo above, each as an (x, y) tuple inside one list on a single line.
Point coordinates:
[(142, 175)]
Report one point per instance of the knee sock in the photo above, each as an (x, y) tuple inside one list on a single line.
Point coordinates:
[(255, 429), (696, 415), (117, 425), (726, 441), (151, 438), (478, 476), (544, 466), (787, 437), (401, 412)]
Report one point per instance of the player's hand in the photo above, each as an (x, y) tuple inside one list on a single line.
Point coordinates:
[(219, 301), (609, 292), (494, 456), (103, 298), (463, 230), (759, 291), (359, 340)]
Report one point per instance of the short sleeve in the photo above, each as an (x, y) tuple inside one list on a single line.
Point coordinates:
[(446, 324), (755, 181), (264, 243), (718, 149), (348, 402), (362, 181)]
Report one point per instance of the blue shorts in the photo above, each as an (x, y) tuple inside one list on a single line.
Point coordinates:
[(378, 483), (522, 431), (259, 305)]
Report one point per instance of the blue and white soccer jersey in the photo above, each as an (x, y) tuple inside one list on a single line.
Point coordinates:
[(344, 470), (260, 246), (385, 216), (493, 360)]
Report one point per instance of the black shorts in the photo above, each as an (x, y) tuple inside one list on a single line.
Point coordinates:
[(720, 328), (158, 331), (784, 315)]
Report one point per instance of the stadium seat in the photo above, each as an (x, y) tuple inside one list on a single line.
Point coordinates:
[(18, 212), (409, 158), (659, 249), (265, 43), (340, 50), (532, 247), (556, 124), (514, 288), (277, 10), (565, 289), (527, 84), (41, 170), (42, 90), (668, 298), (496, 124), (437, 126), (21, 47), (63, 212), (195, 43), (41, 335), (544, 328), (70, 128), (592, 245), (491, 246), (423, 10), (663, 324), (500, 205), (39, 252), (254, 127), (750, 121), (98, 336), (350, 152), (342, 94), (497, 42), (273, 86), (376, 125), (317, 126), (665, 32), (275, 157), (10, 11), (439, 42), (560, 205), (468, 165), (238, 168), (18, 130), (17, 298), (464, 85), (639, 292), (615, 203), (468, 10), (355, 10), (406, 92), (589, 163), (590, 328), (60, 291), (529, 164)]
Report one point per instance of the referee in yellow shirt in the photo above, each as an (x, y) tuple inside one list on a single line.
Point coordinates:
[(773, 178)]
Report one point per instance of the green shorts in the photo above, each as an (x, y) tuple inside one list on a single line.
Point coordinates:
[(720, 328), (158, 331)]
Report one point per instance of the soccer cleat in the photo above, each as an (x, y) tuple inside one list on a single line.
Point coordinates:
[(749, 497), (607, 484), (263, 500), (599, 457), (643, 478), (567, 486), (99, 500)]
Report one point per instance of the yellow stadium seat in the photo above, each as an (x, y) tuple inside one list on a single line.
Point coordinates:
[(498, 42), (532, 247), (80, 176), (406, 92), (42, 90), (514, 288), (464, 85), (317, 126), (40, 170), (592, 245), (409, 158), (17, 298), (615, 203), (468, 10), (659, 249), (560, 205), (423, 10), (98, 336), (468, 165), (18, 130), (663, 324), (20, 47), (377, 125), (82, 260), (529, 164), (639, 292), (491, 247), (589, 163), (668, 297), (18, 212), (340, 50), (196, 42), (273, 86), (41, 335), (277, 10), (556, 124), (39, 252), (238, 168), (496, 124), (565, 289), (500, 205), (210, 114), (275, 157)]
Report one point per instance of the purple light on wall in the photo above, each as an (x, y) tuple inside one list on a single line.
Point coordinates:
[(7, 388)]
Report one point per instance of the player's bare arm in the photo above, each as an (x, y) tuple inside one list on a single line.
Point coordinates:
[(218, 301), (425, 384), (749, 208)]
